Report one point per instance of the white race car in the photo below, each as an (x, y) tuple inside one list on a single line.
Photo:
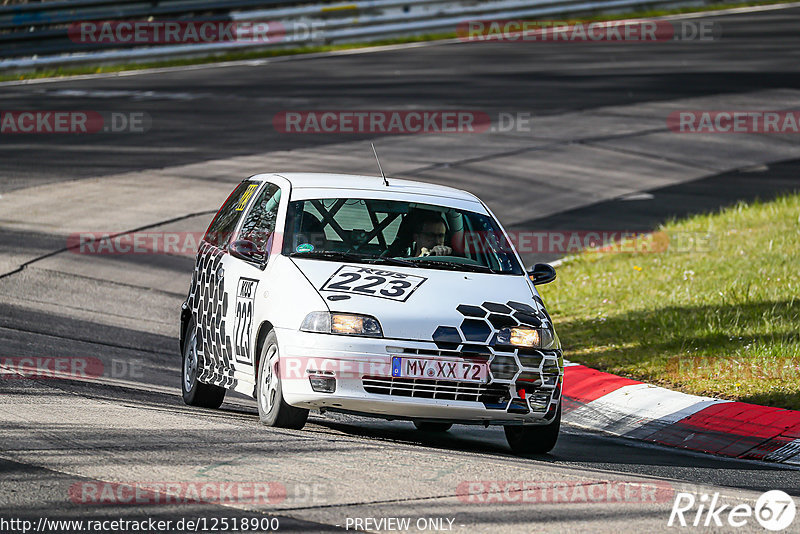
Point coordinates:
[(385, 298)]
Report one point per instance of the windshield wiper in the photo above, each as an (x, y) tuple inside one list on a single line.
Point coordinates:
[(394, 261), (331, 255), (351, 256), (454, 266), (366, 258)]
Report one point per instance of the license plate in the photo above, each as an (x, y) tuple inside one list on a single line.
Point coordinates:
[(439, 369)]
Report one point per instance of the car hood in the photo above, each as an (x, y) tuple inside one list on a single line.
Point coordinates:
[(432, 304)]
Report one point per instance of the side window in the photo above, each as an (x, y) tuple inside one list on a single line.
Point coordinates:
[(224, 223), (261, 221)]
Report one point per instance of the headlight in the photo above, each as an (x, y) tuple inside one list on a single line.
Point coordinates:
[(521, 336), (342, 323)]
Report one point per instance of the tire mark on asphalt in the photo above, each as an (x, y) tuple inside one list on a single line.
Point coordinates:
[(90, 310), (24, 265), (114, 282), (288, 524), (518, 151), (641, 154), (82, 340)]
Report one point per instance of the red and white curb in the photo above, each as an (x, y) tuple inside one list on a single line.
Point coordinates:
[(624, 407)]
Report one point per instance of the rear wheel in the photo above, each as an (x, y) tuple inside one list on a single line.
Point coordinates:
[(427, 426), (272, 409), (534, 439), (196, 393)]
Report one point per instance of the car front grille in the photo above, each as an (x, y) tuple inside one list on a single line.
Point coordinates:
[(424, 388), (511, 370), (504, 367)]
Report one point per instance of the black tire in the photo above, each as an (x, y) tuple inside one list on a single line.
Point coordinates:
[(196, 393), (272, 409), (427, 426), (534, 439)]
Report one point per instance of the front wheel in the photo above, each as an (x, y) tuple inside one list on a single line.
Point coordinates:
[(196, 393), (272, 409), (534, 439)]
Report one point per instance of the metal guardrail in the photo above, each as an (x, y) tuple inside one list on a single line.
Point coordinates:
[(38, 34)]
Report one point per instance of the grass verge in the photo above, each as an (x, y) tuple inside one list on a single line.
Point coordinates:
[(712, 309), (260, 54)]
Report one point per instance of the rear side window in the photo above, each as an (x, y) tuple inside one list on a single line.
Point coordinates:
[(224, 223), (260, 223)]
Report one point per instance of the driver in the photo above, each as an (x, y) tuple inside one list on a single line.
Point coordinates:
[(428, 235)]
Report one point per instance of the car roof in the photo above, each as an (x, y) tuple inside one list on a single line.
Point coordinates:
[(328, 181)]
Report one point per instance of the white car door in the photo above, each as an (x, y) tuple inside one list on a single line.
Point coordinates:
[(210, 298), (248, 257)]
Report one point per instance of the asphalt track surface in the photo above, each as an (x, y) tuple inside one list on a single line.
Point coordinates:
[(131, 426), (191, 107)]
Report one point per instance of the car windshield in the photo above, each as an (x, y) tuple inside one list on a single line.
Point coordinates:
[(397, 233)]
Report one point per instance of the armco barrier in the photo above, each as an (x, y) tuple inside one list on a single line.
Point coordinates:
[(38, 34)]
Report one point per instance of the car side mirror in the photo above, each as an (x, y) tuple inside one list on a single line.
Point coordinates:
[(542, 273), (248, 251)]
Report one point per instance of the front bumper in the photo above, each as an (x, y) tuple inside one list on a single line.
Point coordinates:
[(362, 368)]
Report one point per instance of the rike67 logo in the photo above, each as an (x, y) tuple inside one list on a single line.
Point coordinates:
[(774, 510)]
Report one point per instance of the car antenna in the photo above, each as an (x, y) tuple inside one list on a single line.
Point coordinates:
[(385, 181)]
